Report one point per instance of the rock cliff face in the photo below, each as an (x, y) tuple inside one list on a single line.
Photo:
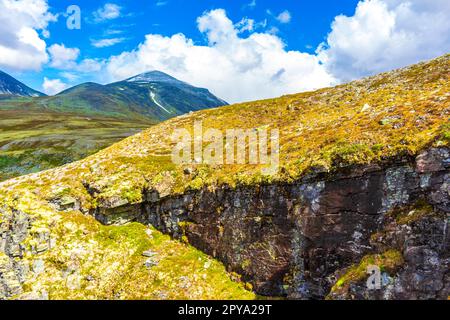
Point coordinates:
[(299, 239), (362, 186), (12, 234)]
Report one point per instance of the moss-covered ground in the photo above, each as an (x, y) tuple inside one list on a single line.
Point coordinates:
[(33, 141), (373, 120), (92, 261)]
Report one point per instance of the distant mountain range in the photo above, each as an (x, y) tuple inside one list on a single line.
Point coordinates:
[(38, 132), (153, 95), (11, 86)]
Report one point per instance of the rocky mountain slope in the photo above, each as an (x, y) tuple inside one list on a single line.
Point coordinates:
[(154, 96), (11, 86), (364, 180)]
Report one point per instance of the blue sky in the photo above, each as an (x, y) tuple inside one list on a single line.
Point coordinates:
[(308, 27), (262, 48), (310, 23)]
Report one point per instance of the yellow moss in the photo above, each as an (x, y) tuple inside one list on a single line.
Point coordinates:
[(93, 261), (322, 129), (412, 213), (326, 129), (444, 138), (248, 286), (245, 264)]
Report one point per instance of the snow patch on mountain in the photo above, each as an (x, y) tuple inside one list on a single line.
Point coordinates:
[(153, 96)]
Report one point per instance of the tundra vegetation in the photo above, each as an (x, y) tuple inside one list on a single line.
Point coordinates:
[(371, 121)]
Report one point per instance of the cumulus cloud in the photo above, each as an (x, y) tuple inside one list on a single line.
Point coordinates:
[(21, 22), (53, 86), (109, 11), (69, 76), (235, 68), (386, 34), (284, 17), (245, 25), (102, 43), (90, 65), (62, 57), (65, 58)]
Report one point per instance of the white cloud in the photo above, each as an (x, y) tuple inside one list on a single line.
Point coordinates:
[(102, 43), (69, 76), (284, 17), (161, 3), (233, 67), (110, 32), (273, 30), (21, 47), (90, 65), (109, 11), (386, 34), (52, 87), (62, 57)]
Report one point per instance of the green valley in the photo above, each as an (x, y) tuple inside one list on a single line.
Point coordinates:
[(37, 140)]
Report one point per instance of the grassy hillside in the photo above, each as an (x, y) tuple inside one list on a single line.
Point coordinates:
[(373, 120), (390, 115)]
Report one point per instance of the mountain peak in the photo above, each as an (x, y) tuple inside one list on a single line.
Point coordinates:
[(11, 86), (153, 76)]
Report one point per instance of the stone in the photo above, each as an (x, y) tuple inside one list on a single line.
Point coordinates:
[(69, 203), (149, 253), (89, 278), (325, 225), (150, 262), (432, 160), (149, 233), (384, 122)]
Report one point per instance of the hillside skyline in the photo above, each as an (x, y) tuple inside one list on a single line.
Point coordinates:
[(262, 49), (152, 76)]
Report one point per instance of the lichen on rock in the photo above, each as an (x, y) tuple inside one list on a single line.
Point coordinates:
[(289, 233)]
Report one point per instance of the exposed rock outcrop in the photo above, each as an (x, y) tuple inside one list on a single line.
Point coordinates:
[(12, 234), (296, 239), (300, 239)]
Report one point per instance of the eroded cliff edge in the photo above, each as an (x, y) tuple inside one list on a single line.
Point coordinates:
[(299, 239), (363, 181), (309, 239)]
